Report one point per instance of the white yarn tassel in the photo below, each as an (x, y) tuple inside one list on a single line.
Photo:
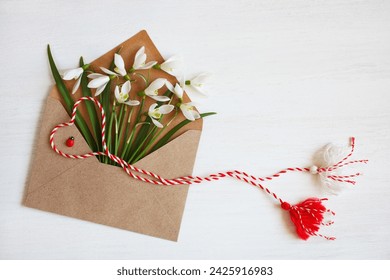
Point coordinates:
[(332, 155), (332, 159)]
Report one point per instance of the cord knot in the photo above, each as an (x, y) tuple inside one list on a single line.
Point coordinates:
[(285, 206), (314, 169)]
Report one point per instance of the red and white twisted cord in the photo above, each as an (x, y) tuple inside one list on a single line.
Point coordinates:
[(128, 168), (300, 209), (187, 180)]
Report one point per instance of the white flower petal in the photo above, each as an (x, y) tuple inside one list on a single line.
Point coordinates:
[(148, 65), (194, 91), (126, 87), (166, 109), (172, 65), (140, 52), (99, 90), (200, 79), (120, 65), (169, 86), (182, 81), (187, 113), (195, 114), (95, 75), (157, 123), (98, 82), (117, 93), (160, 98), (178, 91), (76, 85), (72, 74), (152, 107), (107, 71), (154, 86), (197, 89), (132, 102), (139, 59)]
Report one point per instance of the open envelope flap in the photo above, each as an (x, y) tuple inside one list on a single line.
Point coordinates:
[(93, 191)]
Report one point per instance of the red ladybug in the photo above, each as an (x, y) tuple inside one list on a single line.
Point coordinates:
[(70, 141)]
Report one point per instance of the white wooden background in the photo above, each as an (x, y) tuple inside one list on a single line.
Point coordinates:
[(288, 77)]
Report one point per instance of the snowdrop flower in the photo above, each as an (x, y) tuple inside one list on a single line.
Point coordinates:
[(152, 90), (74, 74), (119, 65), (195, 85), (172, 66), (189, 111), (122, 94), (156, 113), (177, 89), (140, 61), (99, 81)]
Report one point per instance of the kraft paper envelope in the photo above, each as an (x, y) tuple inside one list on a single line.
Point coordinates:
[(104, 194)]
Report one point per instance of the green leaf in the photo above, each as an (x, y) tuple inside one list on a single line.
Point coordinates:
[(140, 135), (146, 130), (167, 136), (91, 108), (80, 122), (139, 139)]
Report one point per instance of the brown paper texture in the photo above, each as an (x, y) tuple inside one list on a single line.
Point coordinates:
[(104, 194)]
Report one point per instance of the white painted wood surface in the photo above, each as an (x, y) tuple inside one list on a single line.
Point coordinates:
[(288, 77)]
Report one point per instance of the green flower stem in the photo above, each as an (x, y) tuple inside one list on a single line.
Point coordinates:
[(105, 101), (126, 144), (140, 133), (171, 95), (127, 124), (139, 147), (141, 155), (143, 78), (141, 107), (154, 137), (91, 109), (115, 142), (122, 130), (118, 127)]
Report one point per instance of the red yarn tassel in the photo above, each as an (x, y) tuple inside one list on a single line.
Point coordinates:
[(308, 216)]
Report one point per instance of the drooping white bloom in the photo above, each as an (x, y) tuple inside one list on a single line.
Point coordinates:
[(178, 91), (99, 81), (172, 66), (192, 87), (109, 72), (122, 94), (156, 113), (196, 84), (189, 111), (140, 60), (152, 90), (73, 74), (119, 65)]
